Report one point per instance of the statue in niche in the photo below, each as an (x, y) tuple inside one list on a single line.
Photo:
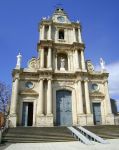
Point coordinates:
[(102, 64), (62, 65)]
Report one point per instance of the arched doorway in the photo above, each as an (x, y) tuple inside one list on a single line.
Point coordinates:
[(63, 108)]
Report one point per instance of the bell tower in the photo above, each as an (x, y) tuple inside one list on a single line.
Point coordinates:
[(60, 43)]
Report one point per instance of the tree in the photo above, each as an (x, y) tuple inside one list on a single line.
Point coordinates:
[(5, 94)]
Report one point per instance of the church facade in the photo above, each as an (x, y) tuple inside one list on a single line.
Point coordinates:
[(59, 87)]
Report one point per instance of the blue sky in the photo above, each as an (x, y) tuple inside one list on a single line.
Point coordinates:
[(19, 32)]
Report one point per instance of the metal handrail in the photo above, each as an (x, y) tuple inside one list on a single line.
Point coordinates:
[(80, 137), (92, 135)]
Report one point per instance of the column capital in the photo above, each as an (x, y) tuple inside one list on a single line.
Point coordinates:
[(49, 79), (86, 80)]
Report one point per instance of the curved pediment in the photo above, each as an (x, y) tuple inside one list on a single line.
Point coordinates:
[(97, 94)]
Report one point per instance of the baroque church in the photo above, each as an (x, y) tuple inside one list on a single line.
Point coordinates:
[(59, 87)]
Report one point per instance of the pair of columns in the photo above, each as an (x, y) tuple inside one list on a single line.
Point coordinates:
[(80, 98), (49, 33), (40, 104), (49, 58), (79, 35), (14, 97), (83, 67)]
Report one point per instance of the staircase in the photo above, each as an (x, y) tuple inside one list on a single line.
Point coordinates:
[(37, 135), (105, 131)]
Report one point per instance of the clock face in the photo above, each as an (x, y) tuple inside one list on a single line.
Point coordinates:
[(29, 85), (61, 19)]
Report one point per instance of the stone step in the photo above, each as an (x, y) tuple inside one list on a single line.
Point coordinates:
[(36, 135), (105, 131)]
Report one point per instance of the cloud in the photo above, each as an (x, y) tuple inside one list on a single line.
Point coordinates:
[(113, 70)]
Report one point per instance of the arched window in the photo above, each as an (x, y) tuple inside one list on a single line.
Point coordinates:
[(61, 34)]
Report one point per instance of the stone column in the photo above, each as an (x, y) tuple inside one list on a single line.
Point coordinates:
[(49, 33), (77, 59), (80, 99), (49, 98), (79, 33), (74, 34), (56, 35), (87, 99), (14, 97), (49, 57), (83, 60), (42, 58), (13, 107), (40, 100), (43, 32), (107, 99), (56, 61)]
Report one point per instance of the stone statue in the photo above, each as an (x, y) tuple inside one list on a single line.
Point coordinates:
[(19, 57), (90, 66), (62, 67), (102, 64)]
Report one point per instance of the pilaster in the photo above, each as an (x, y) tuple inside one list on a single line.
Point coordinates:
[(49, 98), (77, 59), (49, 33), (40, 99), (80, 38), (83, 60), (49, 58), (13, 107), (109, 115), (42, 58), (74, 34)]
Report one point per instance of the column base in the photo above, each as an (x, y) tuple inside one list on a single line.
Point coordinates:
[(89, 119), (12, 120), (44, 121), (81, 119), (110, 119)]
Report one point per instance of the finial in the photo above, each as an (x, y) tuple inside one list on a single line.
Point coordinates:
[(77, 21), (19, 57)]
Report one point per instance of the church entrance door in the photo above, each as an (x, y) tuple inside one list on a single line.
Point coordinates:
[(27, 114), (63, 108), (97, 113)]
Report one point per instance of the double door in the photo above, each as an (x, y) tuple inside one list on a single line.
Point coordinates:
[(63, 108)]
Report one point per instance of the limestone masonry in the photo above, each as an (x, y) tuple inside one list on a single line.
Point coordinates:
[(59, 87)]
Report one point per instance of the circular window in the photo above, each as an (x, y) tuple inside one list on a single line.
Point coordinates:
[(29, 85), (95, 87)]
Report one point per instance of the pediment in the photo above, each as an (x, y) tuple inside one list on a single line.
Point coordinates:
[(28, 92), (97, 94)]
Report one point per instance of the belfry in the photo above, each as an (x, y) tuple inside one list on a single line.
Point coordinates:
[(59, 87)]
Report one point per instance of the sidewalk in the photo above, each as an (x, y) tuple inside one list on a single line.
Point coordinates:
[(113, 145)]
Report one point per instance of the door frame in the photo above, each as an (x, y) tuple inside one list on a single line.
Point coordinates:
[(34, 110), (74, 107), (97, 102), (63, 92)]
